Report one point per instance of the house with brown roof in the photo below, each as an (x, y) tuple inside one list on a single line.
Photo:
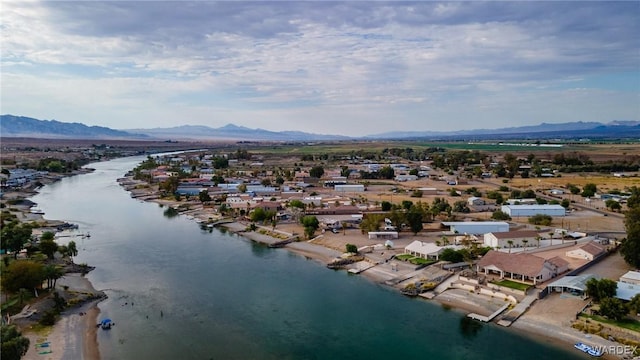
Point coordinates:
[(522, 267), (522, 238), (588, 251)]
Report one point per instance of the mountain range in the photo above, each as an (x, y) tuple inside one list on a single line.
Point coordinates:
[(20, 126)]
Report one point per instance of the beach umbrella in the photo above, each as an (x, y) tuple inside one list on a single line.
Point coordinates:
[(105, 321)]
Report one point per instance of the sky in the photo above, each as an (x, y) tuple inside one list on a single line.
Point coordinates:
[(351, 68)]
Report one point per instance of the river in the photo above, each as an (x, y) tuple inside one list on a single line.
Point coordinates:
[(179, 292)]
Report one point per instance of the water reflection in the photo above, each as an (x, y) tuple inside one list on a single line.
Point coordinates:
[(171, 212), (469, 328)]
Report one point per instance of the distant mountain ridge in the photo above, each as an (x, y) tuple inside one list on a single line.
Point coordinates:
[(20, 126), (233, 132)]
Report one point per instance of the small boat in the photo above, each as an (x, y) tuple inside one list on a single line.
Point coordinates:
[(106, 324), (588, 349)]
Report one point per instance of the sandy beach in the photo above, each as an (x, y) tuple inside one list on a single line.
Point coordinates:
[(74, 336)]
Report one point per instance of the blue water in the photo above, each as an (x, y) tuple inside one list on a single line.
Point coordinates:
[(179, 292)]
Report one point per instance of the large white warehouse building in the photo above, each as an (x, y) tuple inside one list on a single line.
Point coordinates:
[(531, 210)]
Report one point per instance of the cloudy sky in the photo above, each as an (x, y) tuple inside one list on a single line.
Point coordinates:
[(353, 68)]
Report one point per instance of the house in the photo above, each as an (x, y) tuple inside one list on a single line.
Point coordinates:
[(345, 188), (522, 267), (573, 284), (532, 210), (522, 238), (626, 291), (403, 178), (428, 191), (476, 227), (383, 234), (588, 251), (427, 250), (475, 201), (631, 277)]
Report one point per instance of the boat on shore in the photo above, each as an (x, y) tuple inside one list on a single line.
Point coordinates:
[(588, 349)]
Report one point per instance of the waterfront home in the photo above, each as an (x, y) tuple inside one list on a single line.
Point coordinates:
[(428, 250), (522, 267), (588, 251)]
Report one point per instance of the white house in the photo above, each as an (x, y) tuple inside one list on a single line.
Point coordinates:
[(427, 250), (588, 251), (403, 178), (475, 201), (476, 227), (383, 234), (531, 210), (522, 238)]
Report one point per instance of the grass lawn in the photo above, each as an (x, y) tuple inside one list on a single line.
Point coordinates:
[(512, 284), (421, 261), (404, 257), (626, 323)]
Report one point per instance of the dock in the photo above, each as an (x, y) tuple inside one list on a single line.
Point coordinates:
[(490, 317)]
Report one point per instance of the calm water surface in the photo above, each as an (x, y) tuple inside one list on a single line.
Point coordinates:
[(178, 292)]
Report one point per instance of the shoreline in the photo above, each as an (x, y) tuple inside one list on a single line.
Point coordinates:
[(535, 329), (74, 334)]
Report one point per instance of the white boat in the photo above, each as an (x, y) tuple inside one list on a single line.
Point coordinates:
[(588, 349)]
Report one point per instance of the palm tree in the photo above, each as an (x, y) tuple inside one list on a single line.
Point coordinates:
[(72, 250), (52, 273), (538, 238), (525, 241), (510, 242)]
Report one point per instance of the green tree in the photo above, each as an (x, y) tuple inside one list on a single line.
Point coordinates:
[(316, 171), (47, 235), (310, 224), (407, 204), (14, 235), (589, 190), (613, 205), (630, 248), (48, 247), (414, 219), (449, 254), (170, 185), (352, 248), (573, 189), (613, 308), (72, 249), (52, 273), (386, 206), (387, 172), (540, 219), (204, 196), (634, 305), (500, 215), (371, 222), (22, 274), (242, 188), (14, 345), (634, 198), (565, 203), (601, 289)]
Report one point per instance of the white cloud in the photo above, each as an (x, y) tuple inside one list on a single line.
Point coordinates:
[(321, 67)]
